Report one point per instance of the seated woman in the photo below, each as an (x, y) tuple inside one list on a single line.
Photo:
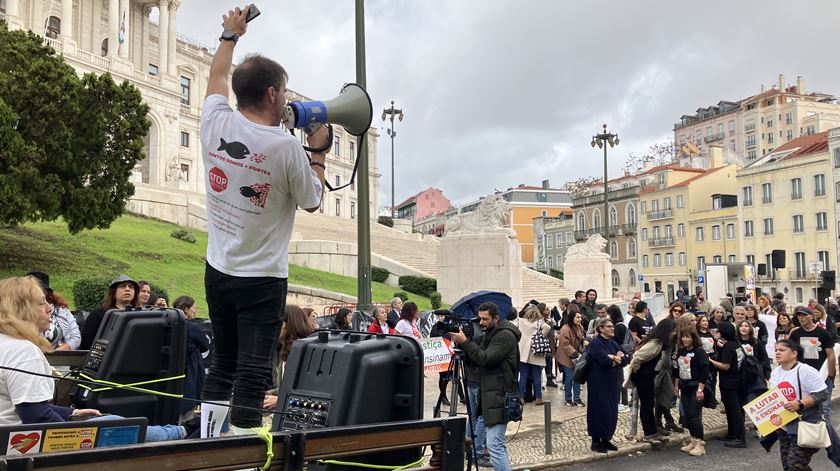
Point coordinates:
[(63, 332), (24, 398), (296, 325), (121, 293), (197, 344), (343, 320)]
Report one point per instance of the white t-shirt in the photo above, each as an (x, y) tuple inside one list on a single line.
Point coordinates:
[(407, 328), (788, 384), (255, 176), (17, 388)]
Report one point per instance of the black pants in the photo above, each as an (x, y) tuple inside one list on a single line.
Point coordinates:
[(246, 314), (794, 457), (446, 376), (622, 393), (693, 411), (645, 390), (732, 397)]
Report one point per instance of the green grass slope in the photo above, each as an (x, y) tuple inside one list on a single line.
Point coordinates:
[(143, 249)]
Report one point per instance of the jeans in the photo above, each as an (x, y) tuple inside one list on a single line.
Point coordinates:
[(480, 441), (497, 447), (826, 405), (246, 314), (693, 410), (570, 387), (527, 370), (154, 433)]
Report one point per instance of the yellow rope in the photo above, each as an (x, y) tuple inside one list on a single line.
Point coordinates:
[(132, 386), (373, 466), (265, 434)]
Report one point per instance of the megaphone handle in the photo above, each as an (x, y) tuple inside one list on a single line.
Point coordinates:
[(310, 129), (314, 127)]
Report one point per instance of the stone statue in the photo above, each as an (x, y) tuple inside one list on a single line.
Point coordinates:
[(490, 216), (593, 247)]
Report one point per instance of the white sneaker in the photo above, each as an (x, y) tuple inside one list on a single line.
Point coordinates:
[(623, 408)]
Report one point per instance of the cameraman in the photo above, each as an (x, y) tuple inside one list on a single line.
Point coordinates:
[(445, 376), (496, 355)]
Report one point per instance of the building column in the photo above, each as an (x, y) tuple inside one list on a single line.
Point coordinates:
[(113, 27), (163, 37), (66, 19), (125, 27), (13, 15), (145, 9), (173, 36)]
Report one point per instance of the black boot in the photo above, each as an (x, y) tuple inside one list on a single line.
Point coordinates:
[(671, 425), (598, 446)]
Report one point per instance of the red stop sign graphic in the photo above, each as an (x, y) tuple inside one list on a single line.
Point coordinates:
[(218, 180)]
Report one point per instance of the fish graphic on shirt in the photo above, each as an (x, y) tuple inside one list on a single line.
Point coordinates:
[(256, 193), (249, 192), (236, 150)]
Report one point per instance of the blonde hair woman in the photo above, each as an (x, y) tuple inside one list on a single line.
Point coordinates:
[(530, 365)]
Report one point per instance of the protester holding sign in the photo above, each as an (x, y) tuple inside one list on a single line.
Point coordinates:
[(804, 390)]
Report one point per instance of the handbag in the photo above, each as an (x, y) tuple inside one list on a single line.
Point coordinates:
[(811, 434), (540, 346), (582, 367)]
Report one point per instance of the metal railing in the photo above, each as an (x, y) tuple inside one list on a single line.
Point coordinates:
[(661, 242), (615, 230), (662, 214), (713, 137)]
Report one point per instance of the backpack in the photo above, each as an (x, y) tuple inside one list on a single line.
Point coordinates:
[(752, 373), (628, 344)]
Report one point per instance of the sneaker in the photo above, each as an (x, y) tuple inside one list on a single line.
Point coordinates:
[(652, 439), (570, 403), (551, 384), (580, 403), (735, 444), (484, 462), (610, 446), (539, 402), (623, 408), (598, 447), (192, 426)]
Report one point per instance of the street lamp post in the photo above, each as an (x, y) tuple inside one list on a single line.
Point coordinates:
[(392, 112), (363, 176), (602, 140)]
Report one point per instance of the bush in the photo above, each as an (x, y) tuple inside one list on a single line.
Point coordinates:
[(402, 295), (184, 235), (88, 292), (379, 274), (435, 299), (385, 221), (555, 273), (418, 284)]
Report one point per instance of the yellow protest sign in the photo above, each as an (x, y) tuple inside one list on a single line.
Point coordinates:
[(768, 412), (68, 439)]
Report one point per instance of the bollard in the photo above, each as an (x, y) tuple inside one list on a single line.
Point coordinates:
[(547, 427)]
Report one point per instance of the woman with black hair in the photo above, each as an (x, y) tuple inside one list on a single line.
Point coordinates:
[(752, 347), (343, 320), (643, 373), (731, 390), (617, 317), (690, 377), (122, 292)]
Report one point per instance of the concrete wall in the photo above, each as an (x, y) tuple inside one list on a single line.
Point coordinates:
[(341, 258), (317, 299)]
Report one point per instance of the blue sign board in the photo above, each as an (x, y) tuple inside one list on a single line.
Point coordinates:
[(641, 277), (701, 280)]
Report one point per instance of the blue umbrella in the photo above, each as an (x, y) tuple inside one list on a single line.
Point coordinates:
[(467, 306)]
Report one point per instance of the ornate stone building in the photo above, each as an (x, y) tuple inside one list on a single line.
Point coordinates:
[(120, 37)]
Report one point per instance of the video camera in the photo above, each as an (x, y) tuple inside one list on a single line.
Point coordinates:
[(453, 321)]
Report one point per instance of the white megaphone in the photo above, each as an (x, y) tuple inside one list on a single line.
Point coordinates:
[(351, 109)]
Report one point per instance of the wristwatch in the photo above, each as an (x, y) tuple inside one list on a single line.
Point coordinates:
[(228, 35), (801, 405)]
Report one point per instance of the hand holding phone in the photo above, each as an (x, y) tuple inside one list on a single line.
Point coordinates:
[(253, 12)]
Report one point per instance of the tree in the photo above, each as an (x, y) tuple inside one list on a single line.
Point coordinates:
[(660, 153), (69, 143), (582, 183)]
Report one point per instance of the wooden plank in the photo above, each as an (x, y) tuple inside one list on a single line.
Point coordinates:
[(349, 445)]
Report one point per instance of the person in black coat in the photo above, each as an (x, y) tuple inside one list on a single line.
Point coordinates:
[(605, 356), (197, 344)]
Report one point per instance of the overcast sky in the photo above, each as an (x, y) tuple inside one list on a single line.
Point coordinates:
[(498, 93)]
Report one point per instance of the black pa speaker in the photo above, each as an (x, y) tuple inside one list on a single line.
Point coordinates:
[(762, 269), (828, 280), (142, 346), (778, 258), (335, 378)]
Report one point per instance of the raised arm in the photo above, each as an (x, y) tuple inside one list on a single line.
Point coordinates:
[(220, 68)]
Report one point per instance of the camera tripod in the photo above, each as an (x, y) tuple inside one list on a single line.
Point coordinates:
[(457, 376)]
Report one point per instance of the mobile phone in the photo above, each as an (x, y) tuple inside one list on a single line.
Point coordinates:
[(253, 12)]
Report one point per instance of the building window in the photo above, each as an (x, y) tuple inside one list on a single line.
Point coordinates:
[(819, 185), (632, 277), (751, 154), (581, 222), (185, 139), (731, 126), (669, 233), (749, 229), (613, 216), (352, 154), (338, 206), (669, 259), (732, 259), (352, 210), (631, 248), (701, 263), (185, 90), (666, 203), (679, 201), (630, 215), (799, 298), (185, 172), (716, 232), (799, 264), (596, 219), (152, 70), (644, 233), (644, 260), (717, 259), (796, 189), (337, 181), (643, 207), (336, 146), (798, 223), (822, 222), (657, 260), (550, 260), (751, 260), (789, 135), (661, 178), (732, 144), (558, 239), (655, 232), (766, 193), (699, 232), (680, 230), (822, 255), (616, 280), (654, 205), (750, 141), (681, 259), (549, 241), (542, 197), (811, 129), (53, 27), (768, 226), (747, 195), (770, 138), (103, 48), (730, 231), (788, 118), (837, 157), (614, 249)]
